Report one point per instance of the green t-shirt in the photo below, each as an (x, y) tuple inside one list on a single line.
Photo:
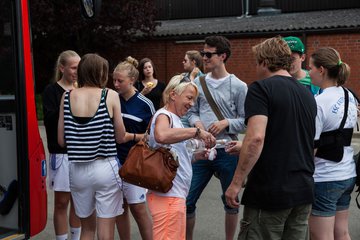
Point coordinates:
[(306, 81)]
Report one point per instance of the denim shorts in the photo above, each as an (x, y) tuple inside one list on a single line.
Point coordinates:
[(332, 196)]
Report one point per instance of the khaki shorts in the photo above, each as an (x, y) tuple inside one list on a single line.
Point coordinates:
[(287, 224)]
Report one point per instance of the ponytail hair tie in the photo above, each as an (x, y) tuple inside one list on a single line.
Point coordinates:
[(340, 62)]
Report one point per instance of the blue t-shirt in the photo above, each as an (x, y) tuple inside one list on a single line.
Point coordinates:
[(136, 113)]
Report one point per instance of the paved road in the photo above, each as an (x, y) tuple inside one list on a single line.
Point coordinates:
[(210, 214)]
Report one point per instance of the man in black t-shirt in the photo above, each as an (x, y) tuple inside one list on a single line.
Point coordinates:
[(277, 149)]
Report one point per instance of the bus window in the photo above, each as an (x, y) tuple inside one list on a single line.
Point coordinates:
[(7, 66)]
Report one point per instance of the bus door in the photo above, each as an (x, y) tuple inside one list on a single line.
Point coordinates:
[(23, 198)]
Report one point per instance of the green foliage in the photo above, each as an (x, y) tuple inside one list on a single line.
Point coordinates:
[(59, 25), (39, 107)]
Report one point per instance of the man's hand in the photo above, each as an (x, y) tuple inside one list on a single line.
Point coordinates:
[(233, 147), (231, 196), (217, 127)]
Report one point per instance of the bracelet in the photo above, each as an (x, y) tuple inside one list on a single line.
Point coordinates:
[(134, 137), (197, 133)]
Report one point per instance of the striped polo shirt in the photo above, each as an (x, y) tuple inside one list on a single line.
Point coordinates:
[(90, 140)]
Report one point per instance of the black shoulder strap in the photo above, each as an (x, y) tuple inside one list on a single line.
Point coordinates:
[(346, 109)]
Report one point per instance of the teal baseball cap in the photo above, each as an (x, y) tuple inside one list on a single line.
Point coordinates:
[(295, 44)]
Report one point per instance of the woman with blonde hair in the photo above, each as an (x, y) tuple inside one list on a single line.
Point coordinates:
[(90, 125), (168, 210), (334, 164), (65, 77), (137, 111)]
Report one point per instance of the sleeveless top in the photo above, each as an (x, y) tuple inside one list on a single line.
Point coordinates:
[(92, 140)]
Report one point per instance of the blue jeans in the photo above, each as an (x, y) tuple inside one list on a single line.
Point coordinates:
[(224, 165), (332, 196)]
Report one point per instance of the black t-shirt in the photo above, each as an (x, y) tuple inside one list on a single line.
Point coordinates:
[(51, 104), (282, 177), (156, 93)]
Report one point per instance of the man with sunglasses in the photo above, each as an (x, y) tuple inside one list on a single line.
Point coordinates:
[(229, 94)]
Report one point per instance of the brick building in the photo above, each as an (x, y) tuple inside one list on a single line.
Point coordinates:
[(339, 28)]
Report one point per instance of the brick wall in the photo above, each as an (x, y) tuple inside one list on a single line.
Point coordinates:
[(168, 55)]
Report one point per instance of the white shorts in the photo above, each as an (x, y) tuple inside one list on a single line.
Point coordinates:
[(58, 179), (96, 185), (134, 194)]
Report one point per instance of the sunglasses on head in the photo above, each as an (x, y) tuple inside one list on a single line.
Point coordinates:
[(208, 54), (185, 80)]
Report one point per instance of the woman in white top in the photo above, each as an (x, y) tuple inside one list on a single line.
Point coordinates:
[(334, 176), (168, 210)]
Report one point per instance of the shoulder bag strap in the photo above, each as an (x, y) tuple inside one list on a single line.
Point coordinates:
[(213, 104), (346, 109), (210, 99)]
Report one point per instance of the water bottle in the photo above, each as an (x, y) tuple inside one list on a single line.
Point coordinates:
[(221, 143), (195, 145)]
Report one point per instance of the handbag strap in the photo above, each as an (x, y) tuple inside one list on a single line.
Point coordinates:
[(213, 104), (147, 132)]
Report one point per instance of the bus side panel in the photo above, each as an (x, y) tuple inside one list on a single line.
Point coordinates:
[(36, 153), (38, 196)]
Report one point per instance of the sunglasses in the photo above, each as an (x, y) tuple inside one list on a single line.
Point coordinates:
[(208, 54), (185, 80)]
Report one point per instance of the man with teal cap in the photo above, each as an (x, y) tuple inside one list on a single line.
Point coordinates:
[(298, 54)]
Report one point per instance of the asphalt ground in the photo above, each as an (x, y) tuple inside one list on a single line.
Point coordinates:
[(210, 216)]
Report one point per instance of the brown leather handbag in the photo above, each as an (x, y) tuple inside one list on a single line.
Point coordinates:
[(154, 169)]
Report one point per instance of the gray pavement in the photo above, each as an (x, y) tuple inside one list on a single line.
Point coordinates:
[(210, 213)]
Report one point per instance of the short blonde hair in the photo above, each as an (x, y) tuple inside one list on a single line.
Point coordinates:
[(178, 84)]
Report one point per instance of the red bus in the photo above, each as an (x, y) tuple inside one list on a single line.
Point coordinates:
[(23, 195)]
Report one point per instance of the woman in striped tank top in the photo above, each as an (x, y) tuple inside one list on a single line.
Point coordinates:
[(90, 124)]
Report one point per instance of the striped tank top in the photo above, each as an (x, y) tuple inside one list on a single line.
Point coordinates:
[(92, 140)]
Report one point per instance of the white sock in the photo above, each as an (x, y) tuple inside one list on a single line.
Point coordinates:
[(75, 233), (62, 237)]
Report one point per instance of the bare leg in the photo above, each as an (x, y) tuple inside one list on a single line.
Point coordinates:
[(123, 223), (88, 227), (105, 228), (62, 200), (73, 219), (190, 225), (231, 222), (143, 220), (321, 228), (341, 231)]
